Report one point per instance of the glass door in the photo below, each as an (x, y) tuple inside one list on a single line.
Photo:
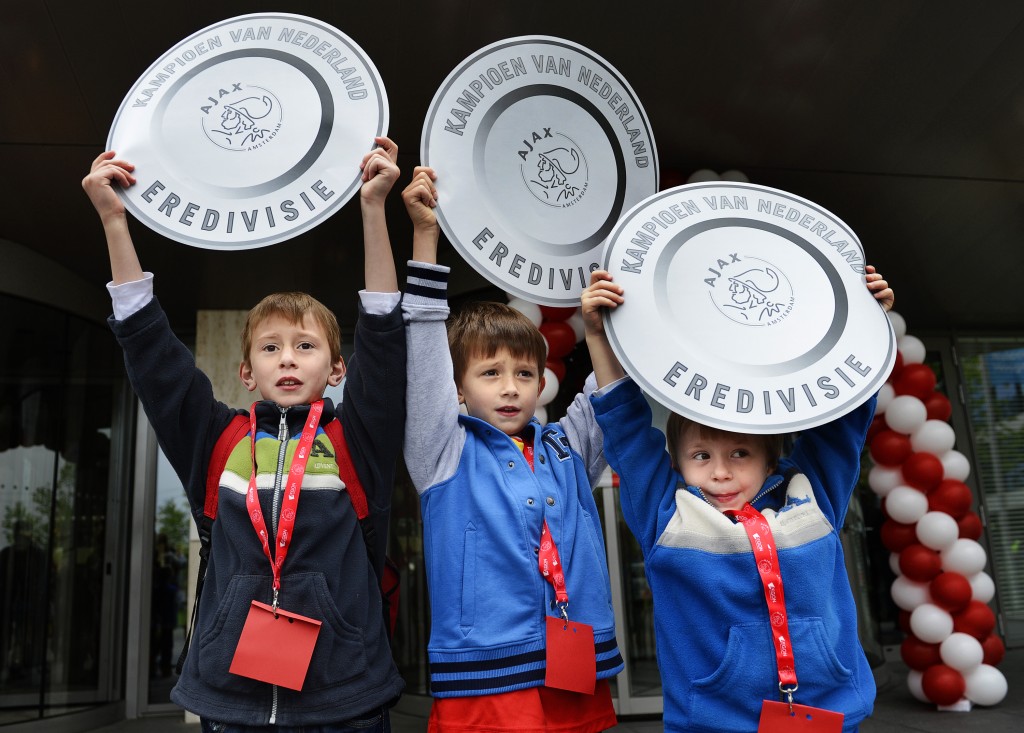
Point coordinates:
[(638, 688), (62, 442)]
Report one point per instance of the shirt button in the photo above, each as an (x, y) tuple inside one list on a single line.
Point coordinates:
[(511, 464), (542, 459), (530, 502), (551, 501), (536, 550)]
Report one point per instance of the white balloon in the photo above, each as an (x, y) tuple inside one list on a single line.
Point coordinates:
[(528, 309), (985, 685), (964, 556), (914, 684), (912, 349), (961, 651), (983, 588), (894, 564), (930, 623), (899, 324), (935, 436), (576, 321), (905, 504), (905, 414), (883, 479), (937, 530), (702, 175), (955, 465), (735, 176), (550, 388), (909, 594), (541, 413), (885, 396)]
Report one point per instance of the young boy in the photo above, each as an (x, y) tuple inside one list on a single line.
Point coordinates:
[(714, 639), (291, 352), (490, 483)]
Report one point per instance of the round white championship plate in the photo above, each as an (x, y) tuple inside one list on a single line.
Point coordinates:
[(539, 146), (250, 131), (746, 308)]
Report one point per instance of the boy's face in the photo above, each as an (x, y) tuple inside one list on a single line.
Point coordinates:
[(290, 363), (501, 390), (729, 468)]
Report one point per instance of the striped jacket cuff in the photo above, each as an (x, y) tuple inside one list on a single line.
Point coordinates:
[(427, 284)]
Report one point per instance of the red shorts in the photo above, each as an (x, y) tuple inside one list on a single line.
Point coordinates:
[(533, 710)]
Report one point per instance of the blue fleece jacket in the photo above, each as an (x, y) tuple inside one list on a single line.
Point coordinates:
[(714, 641)]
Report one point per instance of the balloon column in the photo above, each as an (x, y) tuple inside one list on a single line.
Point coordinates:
[(941, 586), (562, 329)]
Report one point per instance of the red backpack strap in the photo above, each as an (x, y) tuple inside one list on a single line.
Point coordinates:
[(233, 433), (347, 469), (226, 442)]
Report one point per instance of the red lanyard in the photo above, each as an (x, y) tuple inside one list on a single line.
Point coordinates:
[(551, 568), (548, 561), (763, 545), (291, 494)]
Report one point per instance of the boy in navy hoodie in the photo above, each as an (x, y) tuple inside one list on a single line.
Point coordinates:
[(291, 351)]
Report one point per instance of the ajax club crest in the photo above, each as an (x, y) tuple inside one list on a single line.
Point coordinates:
[(750, 291), (242, 117), (554, 168)]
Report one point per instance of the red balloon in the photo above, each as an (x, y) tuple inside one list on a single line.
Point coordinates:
[(670, 178), (952, 497), (977, 619), (938, 406), (922, 471), (890, 448), (560, 337), (554, 313), (950, 591), (970, 526), (877, 426), (920, 563), (897, 369), (903, 621), (558, 367), (943, 685), (897, 536), (915, 379), (994, 650), (919, 655)]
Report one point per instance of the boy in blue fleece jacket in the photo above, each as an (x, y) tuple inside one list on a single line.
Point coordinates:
[(714, 640), (291, 351)]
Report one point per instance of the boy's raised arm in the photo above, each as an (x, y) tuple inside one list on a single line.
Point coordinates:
[(379, 173), (106, 172), (420, 198), (602, 293)]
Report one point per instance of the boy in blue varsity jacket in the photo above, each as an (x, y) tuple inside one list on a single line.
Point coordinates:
[(291, 351), (714, 639), (490, 481)]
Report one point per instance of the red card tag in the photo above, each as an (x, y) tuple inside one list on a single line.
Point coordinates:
[(570, 656), (275, 650), (776, 718)]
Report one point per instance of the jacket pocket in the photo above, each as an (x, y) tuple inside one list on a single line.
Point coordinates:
[(730, 698), (340, 652), (467, 612), (216, 646)]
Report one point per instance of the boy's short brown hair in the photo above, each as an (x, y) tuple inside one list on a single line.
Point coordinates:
[(481, 328), (294, 307), (678, 425)]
